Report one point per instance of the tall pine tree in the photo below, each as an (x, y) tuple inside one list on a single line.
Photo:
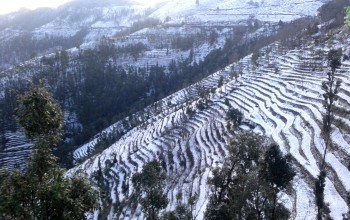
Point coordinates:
[(43, 191), (330, 87)]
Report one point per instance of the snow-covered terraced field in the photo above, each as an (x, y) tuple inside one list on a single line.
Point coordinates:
[(236, 10), (285, 105), (17, 150)]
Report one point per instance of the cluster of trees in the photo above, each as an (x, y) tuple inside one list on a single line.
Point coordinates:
[(334, 10), (139, 25), (43, 191), (331, 14), (234, 116), (188, 42), (248, 183), (28, 20), (149, 185), (134, 50), (245, 187), (183, 43), (24, 46)]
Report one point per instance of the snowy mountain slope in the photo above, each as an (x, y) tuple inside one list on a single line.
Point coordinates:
[(101, 21), (281, 97), (25, 34), (46, 30), (237, 10), (82, 27)]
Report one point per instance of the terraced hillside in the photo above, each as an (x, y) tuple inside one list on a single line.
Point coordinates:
[(18, 147), (280, 96), (144, 37)]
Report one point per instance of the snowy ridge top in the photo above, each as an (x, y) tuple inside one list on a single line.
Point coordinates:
[(236, 10)]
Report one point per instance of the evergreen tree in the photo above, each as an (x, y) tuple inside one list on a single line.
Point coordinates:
[(330, 87), (235, 116), (247, 185), (278, 172), (43, 191), (39, 115), (149, 186), (181, 212), (319, 193), (278, 168)]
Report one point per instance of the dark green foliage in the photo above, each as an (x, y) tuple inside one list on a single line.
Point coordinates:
[(247, 185), (331, 88), (43, 192), (319, 193), (333, 11), (138, 25), (183, 43), (181, 212), (149, 186), (255, 57), (134, 50), (235, 116), (21, 47), (190, 112), (279, 171), (7, 108), (40, 115), (227, 102), (213, 36), (221, 81), (334, 58), (44, 195)]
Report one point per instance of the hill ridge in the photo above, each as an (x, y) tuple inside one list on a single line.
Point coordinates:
[(284, 103)]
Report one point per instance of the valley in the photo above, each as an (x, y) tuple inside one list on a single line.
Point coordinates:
[(132, 94)]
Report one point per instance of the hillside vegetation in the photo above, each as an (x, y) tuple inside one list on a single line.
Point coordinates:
[(170, 90), (279, 94)]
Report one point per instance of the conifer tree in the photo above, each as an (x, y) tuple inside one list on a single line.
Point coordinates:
[(247, 185), (235, 116), (330, 87), (149, 186), (43, 191)]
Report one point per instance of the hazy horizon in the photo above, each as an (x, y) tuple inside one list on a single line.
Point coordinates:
[(12, 6), (16, 5)]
